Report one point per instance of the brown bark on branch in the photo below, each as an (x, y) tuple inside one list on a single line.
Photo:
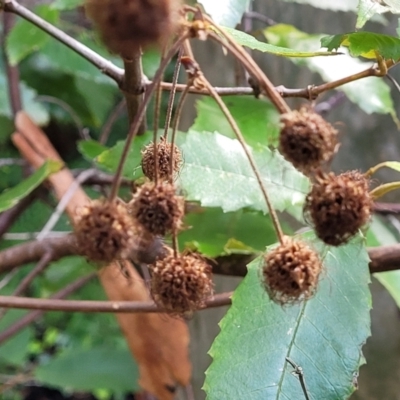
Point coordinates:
[(158, 342)]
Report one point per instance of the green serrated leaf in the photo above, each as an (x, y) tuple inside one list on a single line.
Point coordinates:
[(365, 44), (217, 173), (12, 196), (368, 8), (226, 12), (251, 42), (215, 233), (257, 120), (370, 94), (96, 368), (25, 38), (66, 4), (323, 336)]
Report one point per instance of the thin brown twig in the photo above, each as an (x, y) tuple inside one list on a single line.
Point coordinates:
[(37, 270), (133, 86), (139, 116), (34, 315), (89, 306), (105, 66), (116, 112), (238, 133)]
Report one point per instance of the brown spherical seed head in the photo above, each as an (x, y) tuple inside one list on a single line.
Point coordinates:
[(157, 208), (338, 206), (164, 151), (306, 139), (104, 231), (291, 271), (181, 284), (127, 25)]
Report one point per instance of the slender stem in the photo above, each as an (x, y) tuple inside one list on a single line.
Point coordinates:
[(175, 124), (238, 133), (23, 286), (90, 306), (105, 132), (251, 66), (172, 94), (139, 116), (105, 66), (32, 316)]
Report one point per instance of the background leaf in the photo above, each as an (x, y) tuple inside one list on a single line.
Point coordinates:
[(370, 94), (368, 8), (66, 4), (337, 5), (323, 335), (217, 173), (12, 196), (96, 368), (251, 42), (33, 38), (211, 231), (258, 120), (226, 12)]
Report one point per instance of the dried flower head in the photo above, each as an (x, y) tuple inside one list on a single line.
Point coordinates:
[(181, 284), (127, 25), (338, 206), (291, 271), (306, 139), (164, 151), (157, 208), (104, 231)]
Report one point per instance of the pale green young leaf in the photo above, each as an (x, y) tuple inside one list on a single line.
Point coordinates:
[(323, 335)]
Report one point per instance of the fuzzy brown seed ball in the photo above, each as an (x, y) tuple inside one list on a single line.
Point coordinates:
[(104, 231), (127, 25), (157, 208), (338, 206), (164, 151), (181, 284), (306, 139), (291, 271)]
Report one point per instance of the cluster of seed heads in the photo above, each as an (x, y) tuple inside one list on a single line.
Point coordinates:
[(338, 206), (290, 271), (104, 231), (163, 153), (180, 284), (127, 25), (306, 140), (157, 208)]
